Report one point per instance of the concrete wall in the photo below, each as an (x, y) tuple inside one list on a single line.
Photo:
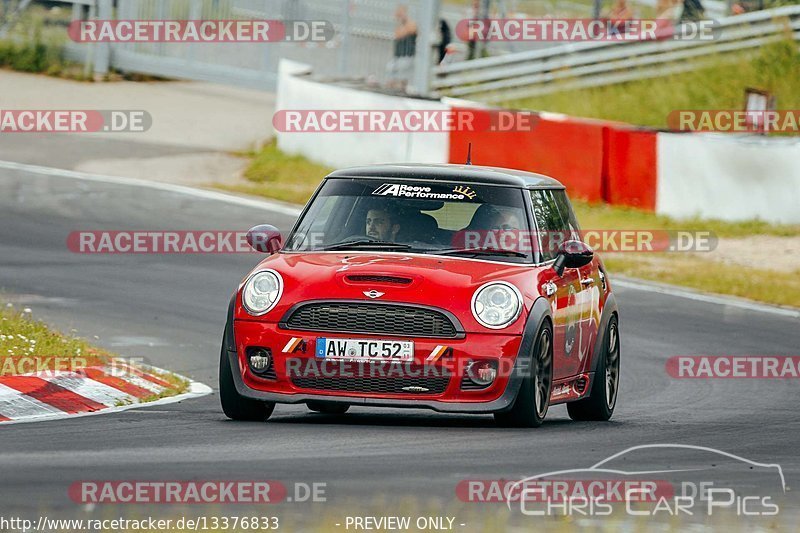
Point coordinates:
[(728, 177), (298, 92)]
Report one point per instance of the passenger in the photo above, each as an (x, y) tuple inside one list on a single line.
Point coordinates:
[(506, 220), (491, 217)]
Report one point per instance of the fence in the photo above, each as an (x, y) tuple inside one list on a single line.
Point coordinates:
[(590, 64), (9, 12), (364, 39), (360, 50)]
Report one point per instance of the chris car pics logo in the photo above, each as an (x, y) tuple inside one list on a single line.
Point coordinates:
[(670, 480)]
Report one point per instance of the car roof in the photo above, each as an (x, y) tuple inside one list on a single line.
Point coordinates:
[(457, 173)]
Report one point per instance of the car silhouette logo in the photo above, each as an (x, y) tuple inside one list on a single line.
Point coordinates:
[(603, 468), (373, 294)]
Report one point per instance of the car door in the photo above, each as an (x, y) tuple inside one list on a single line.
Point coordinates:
[(565, 303), (590, 286)]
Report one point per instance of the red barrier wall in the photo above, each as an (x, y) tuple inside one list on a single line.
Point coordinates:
[(568, 150), (631, 167), (597, 161)]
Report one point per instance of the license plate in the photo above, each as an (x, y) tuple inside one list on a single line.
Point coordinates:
[(364, 350)]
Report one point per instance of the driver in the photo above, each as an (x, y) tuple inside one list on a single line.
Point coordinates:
[(382, 224)]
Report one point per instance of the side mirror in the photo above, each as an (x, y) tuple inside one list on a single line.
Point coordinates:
[(572, 254), (265, 238)]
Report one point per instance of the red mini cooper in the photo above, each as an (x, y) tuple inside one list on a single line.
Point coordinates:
[(461, 289)]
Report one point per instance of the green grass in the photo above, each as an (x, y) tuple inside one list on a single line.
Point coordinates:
[(775, 68), (35, 44), (24, 340), (28, 345), (603, 216), (693, 270), (284, 177), (31, 56), (177, 385), (781, 288)]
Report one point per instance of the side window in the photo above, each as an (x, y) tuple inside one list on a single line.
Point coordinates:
[(552, 226), (321, 220), (565, 208)]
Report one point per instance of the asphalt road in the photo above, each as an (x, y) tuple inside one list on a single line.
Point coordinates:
[(170, 310)]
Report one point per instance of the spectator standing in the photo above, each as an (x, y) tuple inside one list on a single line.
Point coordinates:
[(445, 38), (741, 7), (668, 10), (620, 11), (693, 11), (405, 48)]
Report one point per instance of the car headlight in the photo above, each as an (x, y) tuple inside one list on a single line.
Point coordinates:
[(497, 304), (262, 292)]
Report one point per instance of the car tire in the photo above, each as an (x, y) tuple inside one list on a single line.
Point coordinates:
[(533, 399), (234, 405), (599, 406), (328, 408)]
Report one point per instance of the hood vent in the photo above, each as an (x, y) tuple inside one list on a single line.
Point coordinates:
[(369, 278)]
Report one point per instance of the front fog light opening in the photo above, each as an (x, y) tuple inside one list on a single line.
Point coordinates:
[(482, 373), (259, 360)]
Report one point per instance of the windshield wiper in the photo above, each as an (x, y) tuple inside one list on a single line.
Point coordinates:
[(366, 243), (481, 251)]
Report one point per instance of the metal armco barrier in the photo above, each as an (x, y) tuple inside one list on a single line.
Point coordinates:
[(592, 64)]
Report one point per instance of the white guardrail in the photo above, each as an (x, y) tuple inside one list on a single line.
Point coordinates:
[(591, 64)]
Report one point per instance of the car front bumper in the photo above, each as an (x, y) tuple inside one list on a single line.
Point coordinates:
[(294, 350)]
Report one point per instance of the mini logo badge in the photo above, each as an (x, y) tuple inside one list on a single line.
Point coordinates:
[(373, 294)]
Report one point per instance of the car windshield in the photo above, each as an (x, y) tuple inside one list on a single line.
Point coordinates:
[(433, 217)]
